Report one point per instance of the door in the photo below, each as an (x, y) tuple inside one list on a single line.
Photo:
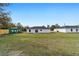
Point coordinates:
[(36, 31)]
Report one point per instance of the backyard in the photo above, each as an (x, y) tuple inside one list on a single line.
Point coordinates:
[(51, 44)]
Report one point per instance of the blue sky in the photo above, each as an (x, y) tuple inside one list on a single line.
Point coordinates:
[(36, 14)]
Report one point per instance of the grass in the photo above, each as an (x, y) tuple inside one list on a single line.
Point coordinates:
[(52, 44)]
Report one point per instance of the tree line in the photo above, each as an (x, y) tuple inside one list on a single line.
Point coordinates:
[(51, 27)]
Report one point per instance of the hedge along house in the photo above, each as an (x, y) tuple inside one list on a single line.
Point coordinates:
[(67, 29), (38, 29)]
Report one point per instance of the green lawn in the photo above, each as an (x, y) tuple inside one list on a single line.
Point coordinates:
[(52, 44)]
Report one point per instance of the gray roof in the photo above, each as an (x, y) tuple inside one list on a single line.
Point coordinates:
[(69, 27), (38, 27)]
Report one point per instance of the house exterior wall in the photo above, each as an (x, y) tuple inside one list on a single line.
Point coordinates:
[(60, 30), (32, 30), (66, 30), (73, 29), (39, 30)]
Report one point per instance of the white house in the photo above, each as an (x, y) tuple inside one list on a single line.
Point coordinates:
[(38, 29), (67, 29)]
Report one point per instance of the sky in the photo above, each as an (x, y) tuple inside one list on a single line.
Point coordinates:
[(38, 14)]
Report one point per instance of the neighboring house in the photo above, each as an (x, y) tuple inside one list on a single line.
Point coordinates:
[(38, 29), (14, 30), (67, 29)]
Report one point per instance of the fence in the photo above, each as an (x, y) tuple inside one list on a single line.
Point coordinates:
[(4, 31)]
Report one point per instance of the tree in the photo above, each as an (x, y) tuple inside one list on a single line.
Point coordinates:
[(11, 25), (25, 28), (19, 26), (2, 5), (5, 18), (48, 26), (57, 25), (52, 27), (44, 26)]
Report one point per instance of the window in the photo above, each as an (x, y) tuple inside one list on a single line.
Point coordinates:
[(76, 30), (12, 30), (41, 30), (29, 30), (71, 30), (36, 31), (15, 30)]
